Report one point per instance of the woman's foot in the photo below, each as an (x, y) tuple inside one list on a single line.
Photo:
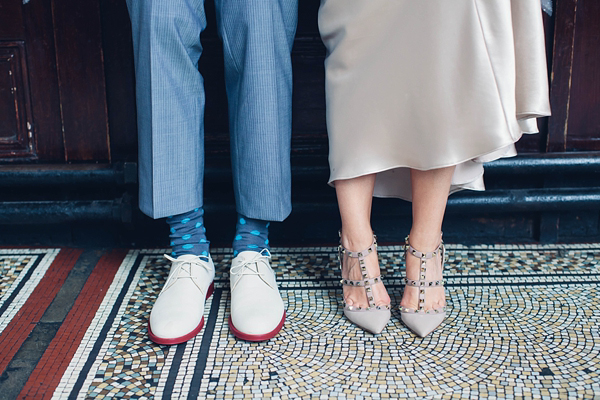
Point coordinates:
[(357, 296), (366, 302), (436, 296), (423, 305)]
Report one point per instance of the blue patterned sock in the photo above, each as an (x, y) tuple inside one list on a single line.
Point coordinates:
[(188, 233), (250, 234)]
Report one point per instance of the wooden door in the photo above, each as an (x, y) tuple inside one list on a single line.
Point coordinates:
[(16, 124), (52, 90), (575, 121), (63, 62)]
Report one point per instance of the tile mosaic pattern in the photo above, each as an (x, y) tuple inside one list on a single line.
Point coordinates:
[(20, 272), (58, 350), (11, 267), (524, 321), (33, 279)]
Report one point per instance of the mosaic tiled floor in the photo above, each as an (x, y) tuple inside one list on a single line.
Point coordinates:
[(29, 281), (524, 322)]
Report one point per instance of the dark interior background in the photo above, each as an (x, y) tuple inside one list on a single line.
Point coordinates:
[(68, 140)]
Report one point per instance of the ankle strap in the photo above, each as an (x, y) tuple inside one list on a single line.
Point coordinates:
[(359, 254), (421, 283), (366, 281), (419, 254)]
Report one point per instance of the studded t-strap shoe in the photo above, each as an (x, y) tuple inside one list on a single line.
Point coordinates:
[(422, 322), (372, 318)]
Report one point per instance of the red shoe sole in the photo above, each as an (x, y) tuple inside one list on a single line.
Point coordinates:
[(186, 337), (256, 338)]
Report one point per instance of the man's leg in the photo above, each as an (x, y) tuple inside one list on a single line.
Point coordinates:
[(257, 37), (170, 101)]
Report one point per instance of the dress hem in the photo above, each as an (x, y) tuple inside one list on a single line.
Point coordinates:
[(331, 181)]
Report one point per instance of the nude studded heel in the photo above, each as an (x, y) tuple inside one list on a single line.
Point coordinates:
[(372, 318), (422, 322)]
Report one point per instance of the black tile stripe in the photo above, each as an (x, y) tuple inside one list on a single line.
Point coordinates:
[(209, 330), (395, 286), (447, 284), (174, 370), (530, 248), (331, 250), (25, 279), (504, 276), (562, 283), (466, 276), (92, 355), (449, 247)]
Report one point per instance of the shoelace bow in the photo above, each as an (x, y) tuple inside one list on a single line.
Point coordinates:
[(245, 268), (181, 272)]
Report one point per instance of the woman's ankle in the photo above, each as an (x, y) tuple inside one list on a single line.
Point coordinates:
[(357, 241), (425, 241)]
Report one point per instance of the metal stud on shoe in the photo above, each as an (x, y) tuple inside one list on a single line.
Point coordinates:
[(372, 318), (422, 322)]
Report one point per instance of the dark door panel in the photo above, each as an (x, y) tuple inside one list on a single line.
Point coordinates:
[(43, 78), (16, 139), (584, 106), (81, 80), (52, 84), (67, 71)]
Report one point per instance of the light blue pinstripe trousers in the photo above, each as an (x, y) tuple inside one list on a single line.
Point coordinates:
[(257, 38)]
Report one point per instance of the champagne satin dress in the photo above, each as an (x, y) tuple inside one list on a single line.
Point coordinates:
[(427, 84)]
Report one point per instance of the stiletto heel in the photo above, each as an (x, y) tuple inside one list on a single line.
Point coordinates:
[(372, 318), (422, 322)]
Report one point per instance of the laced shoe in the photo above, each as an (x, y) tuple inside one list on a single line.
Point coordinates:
[(178, 313), (257, 310)]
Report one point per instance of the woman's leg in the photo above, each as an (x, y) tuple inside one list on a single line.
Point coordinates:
[(354, 200), (430, 191)]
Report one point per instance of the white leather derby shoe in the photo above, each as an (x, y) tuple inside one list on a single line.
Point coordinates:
[(257, 310), (178, 313)]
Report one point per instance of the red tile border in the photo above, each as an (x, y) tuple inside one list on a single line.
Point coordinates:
[(21, 325), (47, 374)]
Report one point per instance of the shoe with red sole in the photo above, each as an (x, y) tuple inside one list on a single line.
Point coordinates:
[(257, 310), (178, 313)]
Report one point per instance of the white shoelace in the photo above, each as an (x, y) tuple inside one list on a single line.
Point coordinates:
[(182, 269), (250, 267)]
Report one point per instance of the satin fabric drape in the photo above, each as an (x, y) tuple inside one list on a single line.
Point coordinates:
[(430, 84)]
